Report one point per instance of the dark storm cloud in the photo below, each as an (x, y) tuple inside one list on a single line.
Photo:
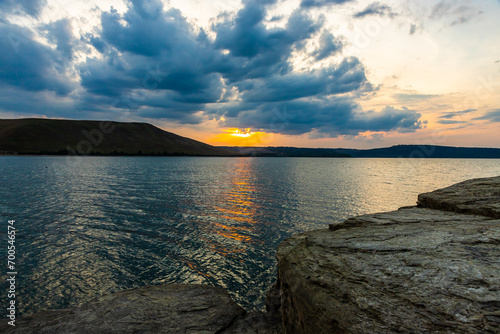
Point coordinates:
[(19, 101), (156, 50), (30, 7), (328, 46), (492, 116), (96, 41), (153, 63), (28, 64), (321, 3), (375, 8), (346, 77), (185, 63), (149, 30), (176, 114), (256, 51), (331, 117), (59, 32), (389, 119)]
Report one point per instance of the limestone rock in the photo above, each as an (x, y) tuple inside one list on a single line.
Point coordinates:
[(415, 270), (170, 308), (477, 196), (257, 322)]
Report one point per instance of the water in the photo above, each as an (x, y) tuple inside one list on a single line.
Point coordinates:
[(109, 223)]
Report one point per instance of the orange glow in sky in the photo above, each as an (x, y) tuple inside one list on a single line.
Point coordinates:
[(240, 137)]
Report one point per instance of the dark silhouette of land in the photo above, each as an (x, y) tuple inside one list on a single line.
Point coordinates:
[(287, 152), (60, 137), (425, 151), (398, 151)]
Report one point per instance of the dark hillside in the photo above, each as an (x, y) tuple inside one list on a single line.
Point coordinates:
[(50, 136)]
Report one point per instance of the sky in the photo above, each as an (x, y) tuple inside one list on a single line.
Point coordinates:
[(308, 73)]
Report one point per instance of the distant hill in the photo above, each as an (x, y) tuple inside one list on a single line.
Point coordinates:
[(287, 152), (398, 151), (50, 136), (424, 151)]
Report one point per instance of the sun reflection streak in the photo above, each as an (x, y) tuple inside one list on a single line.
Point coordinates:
[(236, 208)]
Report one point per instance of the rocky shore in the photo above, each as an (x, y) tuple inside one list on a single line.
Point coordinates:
[(432, 268)]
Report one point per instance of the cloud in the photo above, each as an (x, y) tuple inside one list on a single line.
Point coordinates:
[(60, 33), (148, 71), (414, 28), (30, 65), (363, 138), (450, 121), (348, 76), (321, 3), (145, 30), (153, 63), (184, 70), (453, 114), (36, 103), (375, 8), (328, 46), (441, 9), (492, 116), (328, 117), (414, 98), (18, 7), (256, 51), (458, 11)]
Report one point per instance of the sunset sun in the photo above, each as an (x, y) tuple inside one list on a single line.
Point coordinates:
[(240, 137)]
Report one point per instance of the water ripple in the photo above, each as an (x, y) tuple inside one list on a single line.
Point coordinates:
[(111, 223)]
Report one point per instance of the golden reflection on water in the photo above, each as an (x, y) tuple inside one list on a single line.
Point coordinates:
[(237, 208)]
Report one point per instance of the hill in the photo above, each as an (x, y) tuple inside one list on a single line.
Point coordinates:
[(50, 136), (398, 151), (287, 152), (424, 151)]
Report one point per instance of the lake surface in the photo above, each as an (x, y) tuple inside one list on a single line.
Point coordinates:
[(102, 224)]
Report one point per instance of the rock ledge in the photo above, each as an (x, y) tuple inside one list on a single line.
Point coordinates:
[(414, 270)]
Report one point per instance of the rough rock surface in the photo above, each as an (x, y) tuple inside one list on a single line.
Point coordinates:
[(268, 322), (477, 196), (414, 270), (170, 308)]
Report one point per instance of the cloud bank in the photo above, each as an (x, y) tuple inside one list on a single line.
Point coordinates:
[(151, 62)]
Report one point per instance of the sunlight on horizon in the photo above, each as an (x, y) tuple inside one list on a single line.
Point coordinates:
[(240, 137)]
